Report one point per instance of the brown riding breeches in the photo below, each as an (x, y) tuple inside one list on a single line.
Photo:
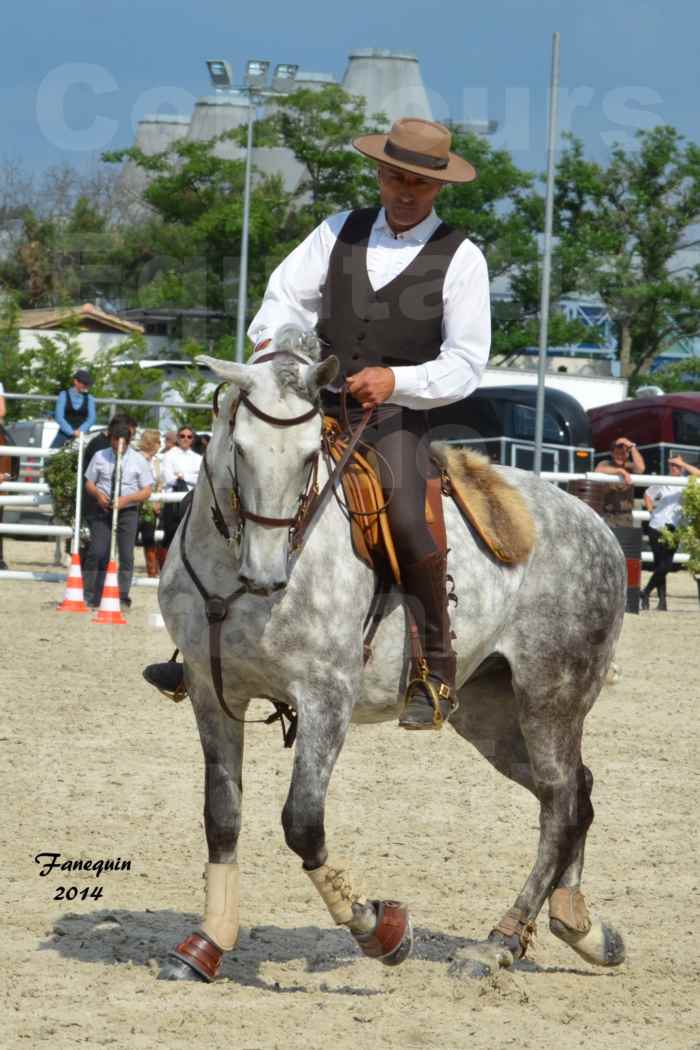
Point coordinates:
[(400, 437)]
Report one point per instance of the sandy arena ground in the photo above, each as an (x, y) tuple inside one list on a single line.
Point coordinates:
[(95, 764)]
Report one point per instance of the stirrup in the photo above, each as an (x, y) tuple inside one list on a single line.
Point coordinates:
[(175, 689), (438, 696)]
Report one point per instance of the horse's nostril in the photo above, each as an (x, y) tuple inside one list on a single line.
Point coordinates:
[(278, 585)]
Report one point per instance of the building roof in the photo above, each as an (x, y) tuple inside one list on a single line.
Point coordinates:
[(90, 318)]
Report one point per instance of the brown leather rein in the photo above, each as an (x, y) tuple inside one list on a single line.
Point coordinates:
[(311, 503)]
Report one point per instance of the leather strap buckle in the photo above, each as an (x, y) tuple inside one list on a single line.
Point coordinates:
[(216, 609)]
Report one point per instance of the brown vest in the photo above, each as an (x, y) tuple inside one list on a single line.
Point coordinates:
[(401, 323)]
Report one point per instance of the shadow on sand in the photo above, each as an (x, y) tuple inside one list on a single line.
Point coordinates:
[(144, 938)]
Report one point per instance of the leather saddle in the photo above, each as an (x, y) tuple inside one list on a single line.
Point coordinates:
[(494, 509)]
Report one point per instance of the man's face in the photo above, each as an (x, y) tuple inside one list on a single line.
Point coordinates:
[(407, 198), (82, 388), (114, 441)]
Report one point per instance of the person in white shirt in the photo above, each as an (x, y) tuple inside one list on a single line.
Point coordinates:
[(403, 301), (179, 470), (136, 487), (664, 502)]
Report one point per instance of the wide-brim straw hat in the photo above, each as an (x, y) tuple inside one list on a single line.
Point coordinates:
[(419, 146)]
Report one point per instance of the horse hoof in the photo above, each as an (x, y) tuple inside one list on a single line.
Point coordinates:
[(472, 968), (197, 958), (602, 945), (481, 960), (391, 940), (174, 969)]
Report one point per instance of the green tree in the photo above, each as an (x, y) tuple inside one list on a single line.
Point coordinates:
[(188, 253), (319, 127), (503, 214), (620, 230)]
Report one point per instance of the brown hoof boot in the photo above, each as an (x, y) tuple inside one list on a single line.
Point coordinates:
[(199, 954), (428, 703), (391, 941)]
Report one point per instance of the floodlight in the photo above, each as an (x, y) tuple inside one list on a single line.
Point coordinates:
[(256, 73), (219, 73), (283, 77)]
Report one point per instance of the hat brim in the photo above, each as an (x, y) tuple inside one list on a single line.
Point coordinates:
[(457, 170)]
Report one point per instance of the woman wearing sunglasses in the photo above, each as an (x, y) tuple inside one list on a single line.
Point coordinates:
[(179, 472)]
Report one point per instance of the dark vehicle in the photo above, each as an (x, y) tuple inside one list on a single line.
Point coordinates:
[(659, 425), (500, 421)]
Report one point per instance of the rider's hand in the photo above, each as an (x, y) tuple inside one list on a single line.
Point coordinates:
[(371, 386)]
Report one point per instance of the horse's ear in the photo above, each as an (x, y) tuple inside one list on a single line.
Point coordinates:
[(229, 370), (321, 375)]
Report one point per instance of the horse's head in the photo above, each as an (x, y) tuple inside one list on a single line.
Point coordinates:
[(265, 444)]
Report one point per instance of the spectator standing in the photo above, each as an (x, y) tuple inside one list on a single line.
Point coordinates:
[(148, 512), (664, 502), (179, 473), (136, 486), (618, 500), (74, 410)]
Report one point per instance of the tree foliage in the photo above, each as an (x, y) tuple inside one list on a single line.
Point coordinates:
[(687, 536), (621, 229)]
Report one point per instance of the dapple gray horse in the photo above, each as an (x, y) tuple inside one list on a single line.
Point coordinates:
[(534, 644)]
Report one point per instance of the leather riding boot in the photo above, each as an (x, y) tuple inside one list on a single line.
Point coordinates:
[(662, 606), (168, 678), (430, 696), (151, 556)]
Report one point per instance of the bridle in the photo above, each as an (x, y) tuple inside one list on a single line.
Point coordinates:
[(311, 503), (312, 499)]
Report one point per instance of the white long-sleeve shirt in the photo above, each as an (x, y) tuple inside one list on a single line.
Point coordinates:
[(179, 461), (293, 296)]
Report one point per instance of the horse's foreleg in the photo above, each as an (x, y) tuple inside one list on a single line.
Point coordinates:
[(199, 956), (382, 929)]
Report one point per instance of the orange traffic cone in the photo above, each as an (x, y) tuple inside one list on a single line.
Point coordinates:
[(110, 609), (74, 600)]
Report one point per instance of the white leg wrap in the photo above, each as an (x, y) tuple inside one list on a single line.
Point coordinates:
[(222, 904), (334, 883)]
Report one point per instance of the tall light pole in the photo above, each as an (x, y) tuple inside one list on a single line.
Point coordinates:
[(547, 252), (256, 88)]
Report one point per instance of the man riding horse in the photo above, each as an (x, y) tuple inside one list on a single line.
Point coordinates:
[(402, 300)]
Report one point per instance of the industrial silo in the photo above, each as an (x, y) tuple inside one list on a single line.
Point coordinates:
[(390, 82), (154, 134)]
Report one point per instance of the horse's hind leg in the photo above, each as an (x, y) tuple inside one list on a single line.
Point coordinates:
[(199, 955), (546, 761), (382, 929)]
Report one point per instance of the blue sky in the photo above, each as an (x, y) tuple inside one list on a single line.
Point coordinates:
[(625, 64)]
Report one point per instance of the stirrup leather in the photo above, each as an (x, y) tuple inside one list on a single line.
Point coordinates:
[(435, 694)]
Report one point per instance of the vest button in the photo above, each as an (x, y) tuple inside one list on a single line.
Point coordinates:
[(355, 357), (361, 336)]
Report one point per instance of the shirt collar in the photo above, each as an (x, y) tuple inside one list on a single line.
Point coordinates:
[(416, 235)]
